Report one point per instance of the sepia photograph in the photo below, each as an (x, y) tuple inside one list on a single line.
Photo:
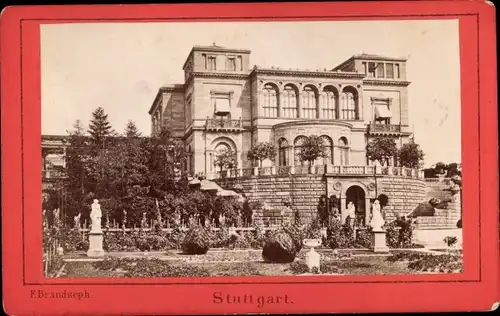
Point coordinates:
[(279, 148)]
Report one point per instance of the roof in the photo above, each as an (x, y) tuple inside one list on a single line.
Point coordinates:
[(165, 88), (308, 72), (369, 56), (214, 48), (378, 57)]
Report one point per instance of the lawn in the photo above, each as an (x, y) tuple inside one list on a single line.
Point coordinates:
[(250, 263)]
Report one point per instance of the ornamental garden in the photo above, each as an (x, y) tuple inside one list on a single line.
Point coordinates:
[(159, 222)]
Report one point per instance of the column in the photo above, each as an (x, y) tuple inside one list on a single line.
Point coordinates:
[(360, 105), (299, 103), (367, 211), (319, 104), (342, 209), (280, 103)]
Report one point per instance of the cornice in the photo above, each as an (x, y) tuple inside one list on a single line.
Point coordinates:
[(316, 122), (399, 83), (307, 73), (225, 75)]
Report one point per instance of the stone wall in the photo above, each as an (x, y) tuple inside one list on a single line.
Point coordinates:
[(404, 195), (304, 191)]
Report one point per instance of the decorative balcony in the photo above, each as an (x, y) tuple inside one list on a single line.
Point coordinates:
[(331, 170), (384, 129), (222, 124)]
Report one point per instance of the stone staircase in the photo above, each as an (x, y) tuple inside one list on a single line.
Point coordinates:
[(443, 218)]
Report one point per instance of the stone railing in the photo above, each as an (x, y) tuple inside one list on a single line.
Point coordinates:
[(223, 124), (319, 170), (384, 128)]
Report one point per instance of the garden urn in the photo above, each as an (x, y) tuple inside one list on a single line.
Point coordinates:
[(312, 257)]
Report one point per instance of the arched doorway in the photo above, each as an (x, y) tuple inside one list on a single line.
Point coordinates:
[(356, 195)]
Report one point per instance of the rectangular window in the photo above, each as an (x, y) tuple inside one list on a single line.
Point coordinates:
[(365, 68), (204, 56), (398, 75), (390, 71), (231, 64), (240, 63), (371, 69), (212, 64), (380, 70)]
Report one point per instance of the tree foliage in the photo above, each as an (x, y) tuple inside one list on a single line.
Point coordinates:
[(442, 169), (99, 126), (226, 159), (131, 130), (381, 149), (410, 155), (262, 151), (312, 148), (128, 175)]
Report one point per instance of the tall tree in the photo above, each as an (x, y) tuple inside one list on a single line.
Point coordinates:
[(99, 127), (262, 151), (410, 155), (381, 149), (312, 148), (131, 130), (78, 156)]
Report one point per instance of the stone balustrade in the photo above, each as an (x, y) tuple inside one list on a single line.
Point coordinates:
[(317, 169)]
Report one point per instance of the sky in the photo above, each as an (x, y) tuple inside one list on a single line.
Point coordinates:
[(120, 66)]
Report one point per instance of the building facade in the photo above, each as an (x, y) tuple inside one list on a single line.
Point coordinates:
[(224, 103)]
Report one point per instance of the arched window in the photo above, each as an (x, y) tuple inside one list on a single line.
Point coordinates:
[(290, 102), (297, 147), (309, 103), (328, 143), (270, 101), (344, 151), (283, 152), (348, 104), (330, 104)]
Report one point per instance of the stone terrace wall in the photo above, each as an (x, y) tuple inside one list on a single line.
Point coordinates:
[(303, 190), (404, 195)]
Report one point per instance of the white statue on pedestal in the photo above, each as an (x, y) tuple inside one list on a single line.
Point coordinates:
[(377, 220), (95, 216), (351, 214)]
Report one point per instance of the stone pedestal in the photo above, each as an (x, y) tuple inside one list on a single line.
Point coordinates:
[(312, 259), (95, 245), (379, 243)]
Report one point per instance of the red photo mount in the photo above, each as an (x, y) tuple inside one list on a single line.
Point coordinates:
[(25, 289)]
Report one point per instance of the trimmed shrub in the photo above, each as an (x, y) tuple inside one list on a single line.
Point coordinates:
[(363, 238), (196, 242), (339, 236), (279, 248)]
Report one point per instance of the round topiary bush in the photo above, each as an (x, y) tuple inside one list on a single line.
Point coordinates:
[(196, 242), (279, 248)]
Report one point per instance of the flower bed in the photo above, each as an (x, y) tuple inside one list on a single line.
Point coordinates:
[(426, 262)]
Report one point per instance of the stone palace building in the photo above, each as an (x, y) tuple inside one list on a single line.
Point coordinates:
[(225, 103)]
